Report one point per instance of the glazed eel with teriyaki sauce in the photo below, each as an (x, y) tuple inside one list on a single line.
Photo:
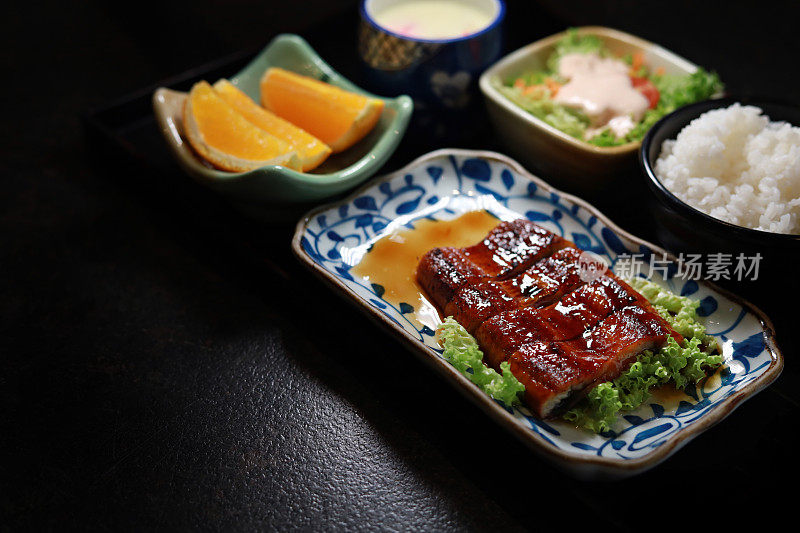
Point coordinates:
[(522, 294)]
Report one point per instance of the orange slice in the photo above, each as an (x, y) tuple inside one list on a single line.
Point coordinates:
[(337, 117), (311, 152), (225, 138)]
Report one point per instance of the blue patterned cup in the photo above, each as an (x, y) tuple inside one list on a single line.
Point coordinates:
[(439, 73)]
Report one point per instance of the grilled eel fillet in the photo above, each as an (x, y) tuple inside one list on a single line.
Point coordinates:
[(520, 293), (509, 248)]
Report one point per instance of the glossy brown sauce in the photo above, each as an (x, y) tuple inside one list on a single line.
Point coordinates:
[(392, 261), (714, 380), (670, 397)]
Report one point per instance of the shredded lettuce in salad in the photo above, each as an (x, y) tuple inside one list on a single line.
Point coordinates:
[(533, 91), (461, 350), (672, 363)]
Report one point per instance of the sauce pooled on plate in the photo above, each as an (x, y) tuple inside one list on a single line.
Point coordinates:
[(392, 261)]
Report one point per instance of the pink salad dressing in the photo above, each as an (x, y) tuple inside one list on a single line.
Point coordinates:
[(601, 88)]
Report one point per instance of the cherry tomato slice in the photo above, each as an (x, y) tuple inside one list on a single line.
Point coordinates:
[(646, 87)]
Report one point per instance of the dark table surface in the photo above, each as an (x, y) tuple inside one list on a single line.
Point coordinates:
[(168, 365)]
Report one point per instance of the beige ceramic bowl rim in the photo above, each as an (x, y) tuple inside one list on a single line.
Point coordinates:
[(586, 467), (491, 92)]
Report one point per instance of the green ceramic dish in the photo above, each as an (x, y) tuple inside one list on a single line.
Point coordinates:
[(274, 184)]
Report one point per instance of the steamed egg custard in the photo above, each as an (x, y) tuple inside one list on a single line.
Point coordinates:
[(434, 19)]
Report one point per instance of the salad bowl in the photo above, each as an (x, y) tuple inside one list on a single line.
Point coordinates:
[(267, 186), (442, 185), (547, 149)]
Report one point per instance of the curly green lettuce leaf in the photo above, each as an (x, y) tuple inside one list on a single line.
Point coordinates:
[(672, 363), (598, 410), (461, 350), (679, 90), (606, 138), (679, 311), (676, 91), (575, 43)]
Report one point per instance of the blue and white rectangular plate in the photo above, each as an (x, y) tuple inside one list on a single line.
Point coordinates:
[(447, 183)]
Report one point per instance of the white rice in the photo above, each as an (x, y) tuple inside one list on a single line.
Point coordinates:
[(736, 165)]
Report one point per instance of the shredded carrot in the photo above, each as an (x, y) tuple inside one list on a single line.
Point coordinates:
[(660, 71), (637, 62), (519, 83), (553, 85), (535, 91)]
